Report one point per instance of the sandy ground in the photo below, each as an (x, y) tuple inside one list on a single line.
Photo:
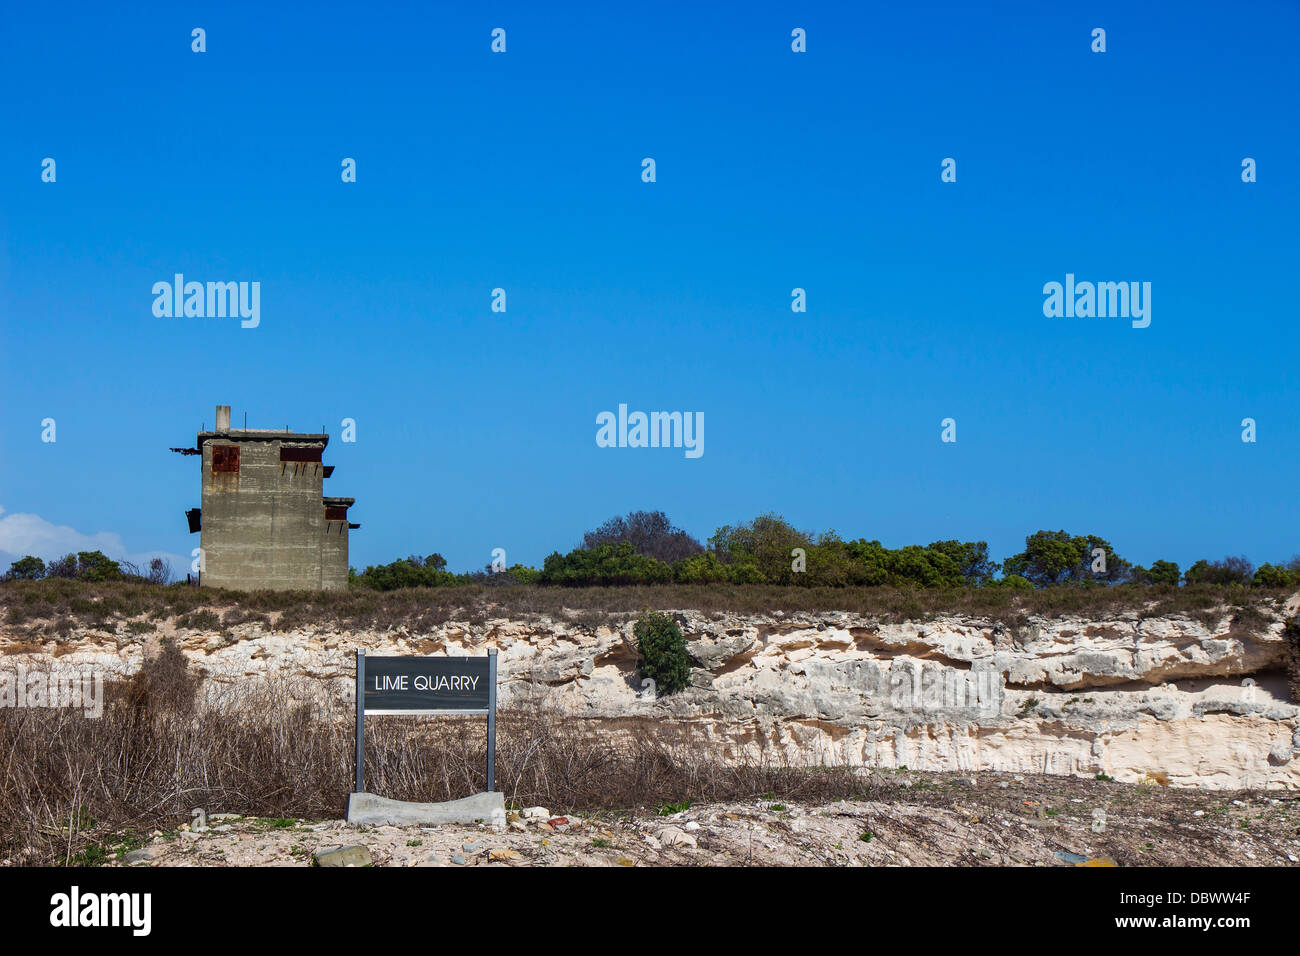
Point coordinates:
[(916, 819)]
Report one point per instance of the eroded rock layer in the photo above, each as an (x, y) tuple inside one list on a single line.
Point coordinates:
[(1166, 699)]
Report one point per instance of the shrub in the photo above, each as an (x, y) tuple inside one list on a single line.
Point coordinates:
[(200, 620), (64, 567), (1227, 571), (661, 652), (602, 565), (72, 784), (411, 572), (1274, 576), (29, 568), (1015, 581), (163, 684), (1160, 572), (160, 572), (704, 568), (97, 566)]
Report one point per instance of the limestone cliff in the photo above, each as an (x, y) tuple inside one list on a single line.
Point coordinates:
[(1168, 699)]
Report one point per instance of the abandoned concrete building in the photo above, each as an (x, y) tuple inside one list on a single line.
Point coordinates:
[(265, 521)]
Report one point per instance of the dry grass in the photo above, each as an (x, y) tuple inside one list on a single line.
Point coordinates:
[(60, 602), (69, 783)]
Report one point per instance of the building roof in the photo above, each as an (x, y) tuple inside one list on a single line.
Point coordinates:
[(255, 434)]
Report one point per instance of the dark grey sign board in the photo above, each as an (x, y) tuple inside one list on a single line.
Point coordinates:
[(426, 686)]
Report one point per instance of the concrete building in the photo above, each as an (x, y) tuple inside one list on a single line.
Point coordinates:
[(265, 521)]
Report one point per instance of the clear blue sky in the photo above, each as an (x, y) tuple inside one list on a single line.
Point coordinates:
[(775, 170)]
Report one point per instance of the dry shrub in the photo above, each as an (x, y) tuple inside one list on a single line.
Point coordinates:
[(164, 684), (425, 608), (278, 748)]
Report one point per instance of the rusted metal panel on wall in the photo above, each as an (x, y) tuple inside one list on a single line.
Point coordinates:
[(300, 454), (225, 458), (335, 513)]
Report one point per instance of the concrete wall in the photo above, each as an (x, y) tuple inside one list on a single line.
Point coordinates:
[(334, 555), (265, 527)]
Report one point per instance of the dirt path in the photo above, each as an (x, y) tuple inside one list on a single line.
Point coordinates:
[(915, 819)]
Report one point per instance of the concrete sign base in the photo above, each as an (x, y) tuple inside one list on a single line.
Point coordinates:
[(372, 810)]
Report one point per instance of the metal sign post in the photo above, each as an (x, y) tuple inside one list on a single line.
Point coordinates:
[(427, 686), (361, 720), (492, 721)]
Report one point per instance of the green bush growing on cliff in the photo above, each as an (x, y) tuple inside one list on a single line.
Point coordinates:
[(661, 652)]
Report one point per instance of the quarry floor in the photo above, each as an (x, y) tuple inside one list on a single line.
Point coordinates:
[(913, 819)]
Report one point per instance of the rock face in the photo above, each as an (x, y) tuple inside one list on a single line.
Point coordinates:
[(1165, 699)]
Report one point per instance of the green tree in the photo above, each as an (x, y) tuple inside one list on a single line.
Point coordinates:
[(1231, 570), (870, 562), (1160, 572), (915, 566), (766, 543), (97, 566), (27, 568), (1274, 576), (829, 564), (608, 564), (1163, 572), (661, 652), (1055, 557), (409, 572), (702, 568), (971, 558)]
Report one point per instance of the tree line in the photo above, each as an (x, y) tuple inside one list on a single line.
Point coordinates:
[(644, 547), (88, 566)]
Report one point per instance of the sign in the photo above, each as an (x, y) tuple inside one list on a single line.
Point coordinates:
[(427, 686)]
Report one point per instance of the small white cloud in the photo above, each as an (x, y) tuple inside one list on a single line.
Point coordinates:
[(32, 534), (22, 534)]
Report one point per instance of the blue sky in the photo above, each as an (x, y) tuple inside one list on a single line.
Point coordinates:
[(775, 170)]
